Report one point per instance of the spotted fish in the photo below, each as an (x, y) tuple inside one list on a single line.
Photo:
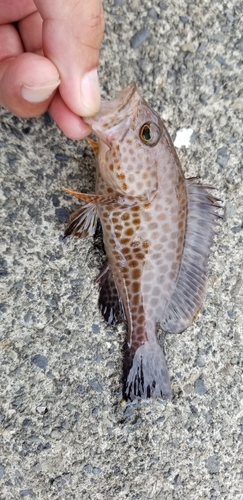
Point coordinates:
[(157, 230)]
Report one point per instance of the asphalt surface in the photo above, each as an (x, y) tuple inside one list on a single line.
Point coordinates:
[(65, 433)]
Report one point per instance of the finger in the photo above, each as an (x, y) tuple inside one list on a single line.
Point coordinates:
[(27, 83), (72, 35), (13, 10), (72, 125), (10, 43), (30, 30)]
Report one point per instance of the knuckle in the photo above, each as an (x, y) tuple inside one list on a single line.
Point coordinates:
[(96, 22)]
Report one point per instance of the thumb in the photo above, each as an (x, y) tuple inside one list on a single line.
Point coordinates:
[(72, 35)]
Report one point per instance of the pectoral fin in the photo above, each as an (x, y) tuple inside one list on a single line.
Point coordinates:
[(83, 222), (95, 199)]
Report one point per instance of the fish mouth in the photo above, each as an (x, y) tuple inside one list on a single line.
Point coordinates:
[(107, 122)]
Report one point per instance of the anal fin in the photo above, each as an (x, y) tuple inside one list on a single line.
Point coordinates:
[(110, 302), (187, 295)]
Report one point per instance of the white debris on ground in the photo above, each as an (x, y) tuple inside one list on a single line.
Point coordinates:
[(183, 137)]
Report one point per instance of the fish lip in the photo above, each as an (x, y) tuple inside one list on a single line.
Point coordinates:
[(128, 93), (117, 104)]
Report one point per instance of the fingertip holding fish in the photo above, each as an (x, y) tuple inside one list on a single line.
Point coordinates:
[(158, 228)]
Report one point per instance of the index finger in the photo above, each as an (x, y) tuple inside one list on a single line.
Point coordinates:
[(14, 10)]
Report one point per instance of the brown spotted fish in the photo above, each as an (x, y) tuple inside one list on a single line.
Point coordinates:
[(157, 230)]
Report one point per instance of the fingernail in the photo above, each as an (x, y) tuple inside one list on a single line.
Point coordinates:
[(38, 94), (90, 93)]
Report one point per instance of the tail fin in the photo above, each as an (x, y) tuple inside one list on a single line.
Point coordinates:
[(145, 373)]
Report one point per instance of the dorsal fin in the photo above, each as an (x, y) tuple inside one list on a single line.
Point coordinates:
[(186, 299), (94, 145), (83, 222), (110, 302)]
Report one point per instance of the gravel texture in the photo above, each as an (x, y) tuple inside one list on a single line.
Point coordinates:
[(65, 434)]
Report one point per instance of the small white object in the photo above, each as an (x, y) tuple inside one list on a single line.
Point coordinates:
[(183, 137), (42, 409)]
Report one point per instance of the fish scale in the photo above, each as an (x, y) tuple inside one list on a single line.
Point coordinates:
[(157, 231)]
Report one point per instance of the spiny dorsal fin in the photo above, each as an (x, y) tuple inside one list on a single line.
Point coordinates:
[(110, 302), (187, 296), (83, 222), (94, 145)]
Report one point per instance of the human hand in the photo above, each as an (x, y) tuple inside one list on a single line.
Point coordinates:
[(49, 59)]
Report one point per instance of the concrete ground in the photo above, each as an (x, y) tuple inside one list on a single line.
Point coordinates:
[(65, 434)]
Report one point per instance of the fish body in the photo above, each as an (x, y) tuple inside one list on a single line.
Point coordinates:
[(157, 231)]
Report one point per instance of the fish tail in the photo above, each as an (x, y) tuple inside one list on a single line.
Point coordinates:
[(145, 373)]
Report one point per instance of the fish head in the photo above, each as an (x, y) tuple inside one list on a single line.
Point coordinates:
[(129, 133)]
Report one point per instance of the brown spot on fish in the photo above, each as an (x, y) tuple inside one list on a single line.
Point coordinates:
[(126, 250), (125, 241), (129, 231), (136, 273), (133, 263), (129, 257), (140, 331), (124, 186), (141, 320), (120, 176), (140, 256), (125, 216), (146, 244), (111, 167), (135, 287), (136, 300)]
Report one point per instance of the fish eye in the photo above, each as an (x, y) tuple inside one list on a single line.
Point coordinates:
[(150, 134)]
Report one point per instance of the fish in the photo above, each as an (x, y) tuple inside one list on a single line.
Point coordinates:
[(158, 228)]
